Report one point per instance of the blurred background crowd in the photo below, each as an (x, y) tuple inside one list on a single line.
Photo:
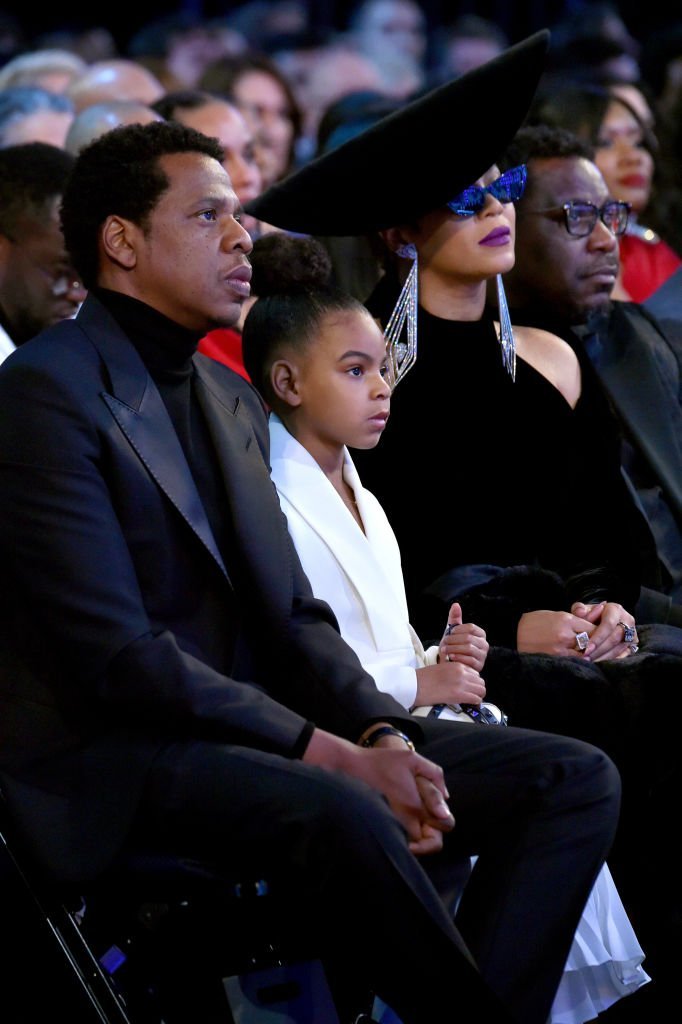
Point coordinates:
[(296, 77), (325, 49)]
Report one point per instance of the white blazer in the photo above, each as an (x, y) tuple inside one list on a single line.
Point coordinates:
[(358, 574), (7, 346)]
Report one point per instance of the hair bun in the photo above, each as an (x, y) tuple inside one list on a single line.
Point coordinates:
[(288, 264)]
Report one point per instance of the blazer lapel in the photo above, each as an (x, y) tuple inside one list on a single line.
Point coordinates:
[(633, 379), (136, 405), (250, 490)]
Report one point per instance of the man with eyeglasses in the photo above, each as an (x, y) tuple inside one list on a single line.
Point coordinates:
[(38, 286), (567, 231), (563, 280)]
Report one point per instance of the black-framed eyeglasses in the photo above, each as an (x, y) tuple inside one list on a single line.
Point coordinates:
[(580, 217), (508, 188)]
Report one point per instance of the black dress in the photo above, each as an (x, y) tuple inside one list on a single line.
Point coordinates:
[(476, 469)]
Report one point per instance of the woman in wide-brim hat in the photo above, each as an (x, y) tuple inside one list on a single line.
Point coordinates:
[(425, 177), (482, 410)]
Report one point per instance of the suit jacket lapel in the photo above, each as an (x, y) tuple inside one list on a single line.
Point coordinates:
[(249, 488), (633, 379), (137, 407)]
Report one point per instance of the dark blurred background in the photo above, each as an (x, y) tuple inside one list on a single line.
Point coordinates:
[(516, 19)]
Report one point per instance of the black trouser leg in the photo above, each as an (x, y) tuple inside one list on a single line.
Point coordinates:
[(362, 893), (540, 811)]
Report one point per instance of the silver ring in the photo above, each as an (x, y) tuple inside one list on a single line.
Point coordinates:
[(581, 641), (629, 632), (634, 648), (447, 657)]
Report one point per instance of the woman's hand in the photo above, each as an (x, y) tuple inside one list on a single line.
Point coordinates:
[(547, 632), (612, 624), (606, 625)]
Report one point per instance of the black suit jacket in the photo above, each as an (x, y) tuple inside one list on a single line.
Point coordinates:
[(640, 366), (638, 360), (115, 593)]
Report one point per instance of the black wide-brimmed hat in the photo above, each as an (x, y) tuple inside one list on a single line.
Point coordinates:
[(415, 159)]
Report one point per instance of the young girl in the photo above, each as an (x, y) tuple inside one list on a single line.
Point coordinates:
[(324, 396), (319, 359)]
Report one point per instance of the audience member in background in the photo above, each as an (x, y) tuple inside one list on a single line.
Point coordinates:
[(177, 47), (339, 72), (661, 66), (298, 55), (254, 83), (118, 79), (222, 120), (667, 199), (625, 153), (350, 115), (392, 35), (91, 122), (637, 95), (38, 285), (664, 208), (31, 114), (260, 21), (91, 43), (566, 264), (591, 40), (465, 43), (589, 59), (13, 39), (53, 70)]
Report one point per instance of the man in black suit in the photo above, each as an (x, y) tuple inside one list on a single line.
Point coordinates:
[(167, 673), (563, 283)]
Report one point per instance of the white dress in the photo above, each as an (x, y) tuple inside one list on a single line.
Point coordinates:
[(359, 575)]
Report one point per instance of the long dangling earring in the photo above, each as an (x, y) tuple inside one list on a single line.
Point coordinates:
[(506, 338), (403, 354)]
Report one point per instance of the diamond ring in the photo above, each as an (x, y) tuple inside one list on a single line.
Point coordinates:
[(634, 648), (581, 641), (628, 632)]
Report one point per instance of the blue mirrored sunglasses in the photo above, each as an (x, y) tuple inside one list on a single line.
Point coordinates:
[(508, 188)]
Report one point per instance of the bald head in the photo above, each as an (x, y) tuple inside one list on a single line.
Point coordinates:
[(99, 118), (114, 80)]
